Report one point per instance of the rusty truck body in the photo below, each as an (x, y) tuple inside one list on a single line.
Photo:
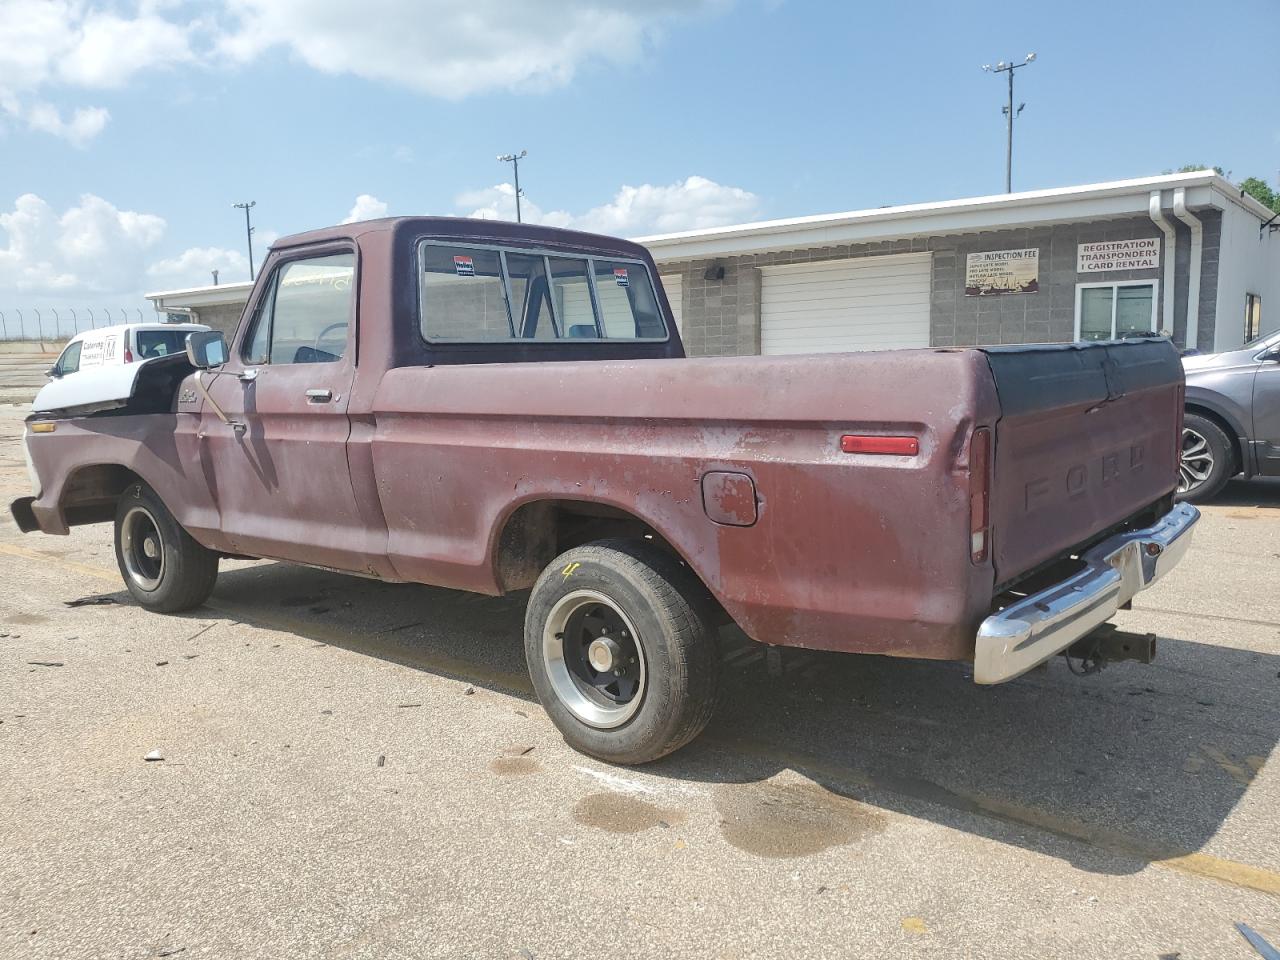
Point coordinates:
[(497, 407)]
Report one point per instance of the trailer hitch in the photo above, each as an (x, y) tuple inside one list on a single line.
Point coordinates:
[(1109, 644)]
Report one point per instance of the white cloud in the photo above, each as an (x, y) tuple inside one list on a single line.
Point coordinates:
[(92, 247), (437, 47), (85, 123), (65, 43), (367, 207), (684, 205), (449, 49), (194, 268)]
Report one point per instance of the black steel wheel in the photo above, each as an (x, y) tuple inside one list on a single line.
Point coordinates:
[(621, 646)]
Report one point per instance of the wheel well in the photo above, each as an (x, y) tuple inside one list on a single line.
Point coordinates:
[(538, 532), (90, 493), (1226, 427)]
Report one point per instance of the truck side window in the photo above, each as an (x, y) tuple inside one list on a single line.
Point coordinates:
[(305, 316), (462, 295), (628, 307)]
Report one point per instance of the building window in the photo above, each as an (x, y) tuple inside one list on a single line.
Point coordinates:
[(1112, 311), (1252, 317)]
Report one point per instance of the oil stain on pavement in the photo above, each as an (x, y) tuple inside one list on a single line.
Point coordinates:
[(791, 819), (622, 813)]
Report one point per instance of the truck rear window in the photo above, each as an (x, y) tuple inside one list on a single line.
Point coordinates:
[(486, 294)]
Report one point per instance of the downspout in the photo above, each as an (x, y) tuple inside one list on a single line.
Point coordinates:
[(1170, 250), (1193, 282)]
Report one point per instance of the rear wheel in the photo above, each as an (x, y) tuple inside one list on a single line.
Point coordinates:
[(622, 650), (163, 567), (1206, 460)]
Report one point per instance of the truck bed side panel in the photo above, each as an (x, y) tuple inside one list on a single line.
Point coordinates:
[(849, 552)]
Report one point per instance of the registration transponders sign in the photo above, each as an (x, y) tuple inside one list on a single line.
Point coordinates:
[(1140, 254)]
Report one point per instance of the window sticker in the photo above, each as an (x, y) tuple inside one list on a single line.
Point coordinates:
[(620, 276), (465, 266)]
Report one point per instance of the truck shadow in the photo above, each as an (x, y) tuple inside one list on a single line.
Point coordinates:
[(1259, 492), (1109, 772)]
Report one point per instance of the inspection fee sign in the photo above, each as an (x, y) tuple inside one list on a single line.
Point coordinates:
[(1141, 254)]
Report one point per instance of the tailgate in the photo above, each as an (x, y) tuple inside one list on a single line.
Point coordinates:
[(1087, 437)]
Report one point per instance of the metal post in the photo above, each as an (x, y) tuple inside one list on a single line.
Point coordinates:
[(1010, 114), (514, 159), (248, 230), (22, 327), (75, 321), (1008, 143), (4, 326)]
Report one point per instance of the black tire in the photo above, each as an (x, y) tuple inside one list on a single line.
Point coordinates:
[(659, 610), (181, 573), (1204, 445)]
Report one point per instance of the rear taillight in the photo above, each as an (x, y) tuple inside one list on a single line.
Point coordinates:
[(128, 355), (980, 495)]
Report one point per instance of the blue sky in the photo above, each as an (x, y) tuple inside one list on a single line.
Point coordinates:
[(128, 128)]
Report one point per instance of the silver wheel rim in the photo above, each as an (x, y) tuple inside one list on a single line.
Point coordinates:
[(142, 548), (1196, 462), (585, 631)]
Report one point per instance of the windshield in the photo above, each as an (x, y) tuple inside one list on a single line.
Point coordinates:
[(161, 343)]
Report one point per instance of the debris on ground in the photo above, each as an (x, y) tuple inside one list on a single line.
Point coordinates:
[(406, 706), (91, 601), (382, 759), (469, 691), (201, 631), (162, 663), (525, 752), (153, 756), (45, 663)]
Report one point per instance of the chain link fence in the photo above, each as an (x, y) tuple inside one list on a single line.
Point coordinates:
[(38, 324)]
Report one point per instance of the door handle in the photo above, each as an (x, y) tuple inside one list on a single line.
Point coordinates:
[(319, 395)]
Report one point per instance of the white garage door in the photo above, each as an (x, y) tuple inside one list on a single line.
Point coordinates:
[(875, 303), (673, 283)]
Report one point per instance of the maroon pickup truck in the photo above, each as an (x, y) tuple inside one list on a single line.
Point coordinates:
[(496, 408)]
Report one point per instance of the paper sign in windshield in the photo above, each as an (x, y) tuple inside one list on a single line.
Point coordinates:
[(465, 266), (620, 276)]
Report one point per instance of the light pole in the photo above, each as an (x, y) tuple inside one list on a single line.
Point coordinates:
[(248, 230), (514, 159), (1009, 114)]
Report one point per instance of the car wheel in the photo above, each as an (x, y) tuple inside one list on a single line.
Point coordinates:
[(622, 650), (1206, 462), (162, 565)]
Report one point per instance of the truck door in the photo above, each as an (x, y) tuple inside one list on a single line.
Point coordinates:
[(281, 479)]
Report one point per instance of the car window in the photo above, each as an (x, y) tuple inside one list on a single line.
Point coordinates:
[(69, 362), (462, 295), (482, 295), (160, 343), (628, 306), (304, 317)]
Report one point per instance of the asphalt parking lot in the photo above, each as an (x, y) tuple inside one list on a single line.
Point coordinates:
[(354, 769)]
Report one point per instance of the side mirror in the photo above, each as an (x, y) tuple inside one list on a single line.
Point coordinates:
[(1272, 355), (53, 373), (206, 349)]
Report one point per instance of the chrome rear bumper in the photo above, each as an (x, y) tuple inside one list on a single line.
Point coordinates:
[(1044, 624)]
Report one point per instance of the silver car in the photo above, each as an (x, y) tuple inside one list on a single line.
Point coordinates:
[(1232, 421)]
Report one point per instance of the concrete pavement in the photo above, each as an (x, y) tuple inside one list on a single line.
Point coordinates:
[(354, 769)]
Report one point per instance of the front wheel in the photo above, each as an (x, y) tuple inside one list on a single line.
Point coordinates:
[(622, 650), (163, 567)]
